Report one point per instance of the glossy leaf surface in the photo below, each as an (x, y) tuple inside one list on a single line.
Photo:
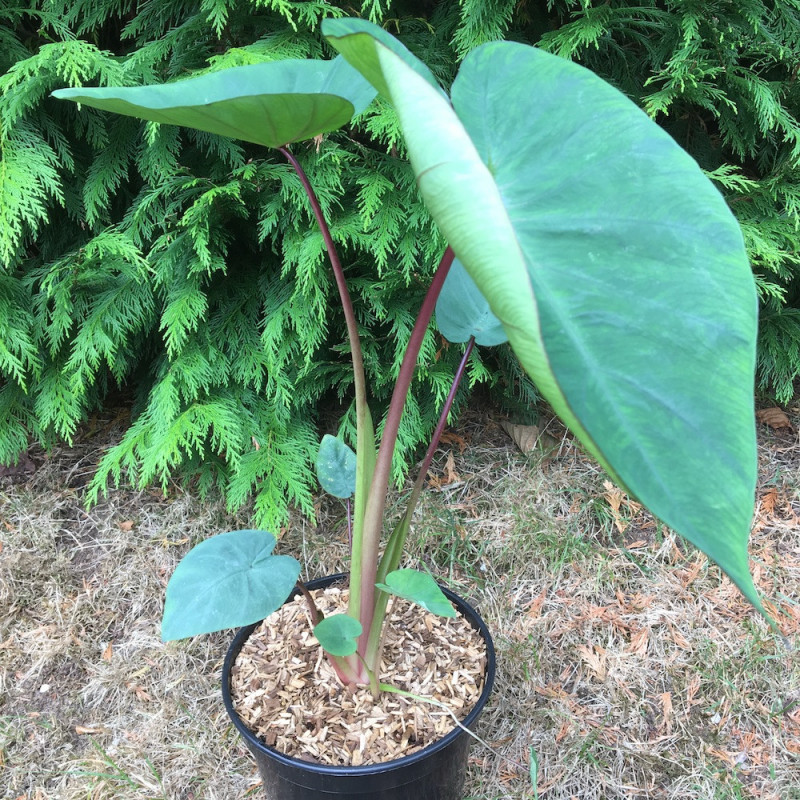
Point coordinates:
[(614, 265), (463, 312), (338, 634), (272, 104), (336, 467), (227, 581), (419, 588)]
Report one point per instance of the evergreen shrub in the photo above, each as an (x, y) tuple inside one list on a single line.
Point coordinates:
[(185, 267)]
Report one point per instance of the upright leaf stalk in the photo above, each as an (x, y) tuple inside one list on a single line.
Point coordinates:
[(365, 436), (373, 472)]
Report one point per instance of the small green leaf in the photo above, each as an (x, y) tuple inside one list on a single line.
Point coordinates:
[(272, 104), (229, 580), (336, 467), (338, 635), (419, 588), (534, 772), (462, 311)]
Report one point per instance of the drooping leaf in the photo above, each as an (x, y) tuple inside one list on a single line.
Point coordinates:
[(272, 104), (336, 467), (347, 32), (338, 634), (419, 588), (462, 311), (229, 580), (614, 265)]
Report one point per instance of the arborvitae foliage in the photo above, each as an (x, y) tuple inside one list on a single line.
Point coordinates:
[(187, 268)]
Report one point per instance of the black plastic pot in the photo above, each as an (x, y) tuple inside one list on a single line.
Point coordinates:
[(434, 773)]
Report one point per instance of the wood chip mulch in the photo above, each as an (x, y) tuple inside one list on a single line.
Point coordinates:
[(286, 691)]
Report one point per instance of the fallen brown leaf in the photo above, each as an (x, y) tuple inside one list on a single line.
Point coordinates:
[(448, 437), (638, 644), (450, 469), (90, 730), (666, 708), (524, 436), (140, 693), (617, 499), (595, 658), (774, 417), (768, 502)]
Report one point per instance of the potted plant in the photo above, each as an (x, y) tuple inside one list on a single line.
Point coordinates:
[(578, 231)]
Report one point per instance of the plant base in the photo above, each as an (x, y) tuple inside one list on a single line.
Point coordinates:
[(434, 773)]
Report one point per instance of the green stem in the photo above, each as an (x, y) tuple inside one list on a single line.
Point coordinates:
[(394, 548), (376, 501)]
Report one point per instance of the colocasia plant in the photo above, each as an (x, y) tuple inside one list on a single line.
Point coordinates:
[(578, 231)]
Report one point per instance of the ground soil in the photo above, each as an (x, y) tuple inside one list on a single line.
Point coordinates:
[(628, 666)]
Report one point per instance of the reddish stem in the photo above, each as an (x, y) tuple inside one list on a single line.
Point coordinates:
[(376, 502)]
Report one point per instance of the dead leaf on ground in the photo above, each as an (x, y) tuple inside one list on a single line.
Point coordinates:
[(450, 469), (666, 709), (524, 436), (595, 659), (774, 417), (530, 438), (768, 502), (617, 500), (450, 475), (448, 437), (90, 730), (140, 693), (639, 640)]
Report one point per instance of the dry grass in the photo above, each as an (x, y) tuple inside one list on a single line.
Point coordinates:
[(625, 661)]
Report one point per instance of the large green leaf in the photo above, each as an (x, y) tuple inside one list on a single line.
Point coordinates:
[(616, 268), (366, 59), (271, 104), (229, 580)]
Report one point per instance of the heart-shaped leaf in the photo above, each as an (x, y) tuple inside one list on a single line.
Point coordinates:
[(463, 312), (229, 580), (272, 104), (338, 634), (614, 265), (336, 467), (419, 588)]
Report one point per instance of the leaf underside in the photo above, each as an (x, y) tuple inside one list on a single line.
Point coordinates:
[(271, 104), (463, 312)]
